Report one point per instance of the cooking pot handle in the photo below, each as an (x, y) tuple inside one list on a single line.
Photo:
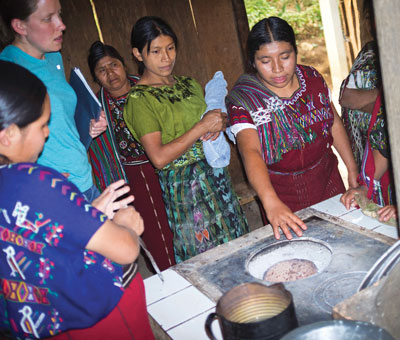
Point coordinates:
[(210, 318)]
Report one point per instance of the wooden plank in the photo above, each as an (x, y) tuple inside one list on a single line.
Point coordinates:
[(363, 24), (242, 26), (334, 44), (116, 22), (345, 26), (190, 59), (351, 20), (81, 30), (176, 12), (201, 51), (356, 24), (219, 42)]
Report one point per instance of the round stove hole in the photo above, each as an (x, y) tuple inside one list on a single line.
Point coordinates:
[(293, 260)]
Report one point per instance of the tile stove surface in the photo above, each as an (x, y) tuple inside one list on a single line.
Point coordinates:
[(353, 254)]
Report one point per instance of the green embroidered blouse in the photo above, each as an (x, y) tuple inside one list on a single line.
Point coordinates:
[(172, 110)]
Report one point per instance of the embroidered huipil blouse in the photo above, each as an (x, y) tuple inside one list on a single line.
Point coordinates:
[(285, 126)]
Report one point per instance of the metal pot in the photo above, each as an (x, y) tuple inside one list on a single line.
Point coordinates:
[(338, 330), (254, 311)]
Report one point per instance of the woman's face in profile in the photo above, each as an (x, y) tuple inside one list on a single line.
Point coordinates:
[(275, 63), (111, 74), (43, 29)]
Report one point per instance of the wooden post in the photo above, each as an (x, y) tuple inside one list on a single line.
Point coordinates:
[(334, 44), (388, 32), (350, 19)]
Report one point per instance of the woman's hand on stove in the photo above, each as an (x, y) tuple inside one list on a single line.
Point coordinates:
[(280, 216), (348, 199)]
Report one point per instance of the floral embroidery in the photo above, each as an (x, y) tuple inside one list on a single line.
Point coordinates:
[(180, 91)]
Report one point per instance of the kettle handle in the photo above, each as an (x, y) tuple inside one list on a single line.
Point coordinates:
[(210, 318)]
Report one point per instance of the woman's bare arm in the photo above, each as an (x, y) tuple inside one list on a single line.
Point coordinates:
[(118, 239), (279, 214), (342, 145), (162, 154), (358, 99)]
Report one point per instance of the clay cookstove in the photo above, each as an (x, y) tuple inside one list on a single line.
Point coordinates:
[(320, 269)]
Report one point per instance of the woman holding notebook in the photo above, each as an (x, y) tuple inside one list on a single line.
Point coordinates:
[(116, 154), (38, 35)]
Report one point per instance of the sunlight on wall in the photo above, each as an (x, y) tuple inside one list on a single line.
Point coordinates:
[(193, 17), (96, 19)]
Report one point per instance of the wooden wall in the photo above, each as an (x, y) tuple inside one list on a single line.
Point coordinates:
[(212, 39), (213, 44), (356, 28)]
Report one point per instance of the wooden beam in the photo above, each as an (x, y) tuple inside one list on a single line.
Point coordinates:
[(242, 26), (81, 30), (334, 44)]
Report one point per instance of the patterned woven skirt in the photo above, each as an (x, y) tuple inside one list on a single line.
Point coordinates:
[(202, 208)]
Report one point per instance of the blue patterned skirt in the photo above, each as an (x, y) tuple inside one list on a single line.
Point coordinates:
[(202, 207)]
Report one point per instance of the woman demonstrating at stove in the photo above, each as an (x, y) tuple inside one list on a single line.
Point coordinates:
[(285, 124)]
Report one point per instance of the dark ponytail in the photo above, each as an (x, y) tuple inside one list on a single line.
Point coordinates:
[(22, 95)]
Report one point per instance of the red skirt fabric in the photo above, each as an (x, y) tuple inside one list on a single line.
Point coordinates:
[(304, 188), (158, 237), (128, 320)]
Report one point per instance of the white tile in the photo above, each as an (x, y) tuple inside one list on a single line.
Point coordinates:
[(194, 329), (157, 290), (180, 307), (357, 217), (332, 206), (387, 230)]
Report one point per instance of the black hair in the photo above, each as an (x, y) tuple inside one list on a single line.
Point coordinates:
[(97, 51), (22, 95), (146, 30), (266, 31), (16, 9)]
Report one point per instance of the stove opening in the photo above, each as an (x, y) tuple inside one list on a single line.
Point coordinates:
[(293, 260)]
